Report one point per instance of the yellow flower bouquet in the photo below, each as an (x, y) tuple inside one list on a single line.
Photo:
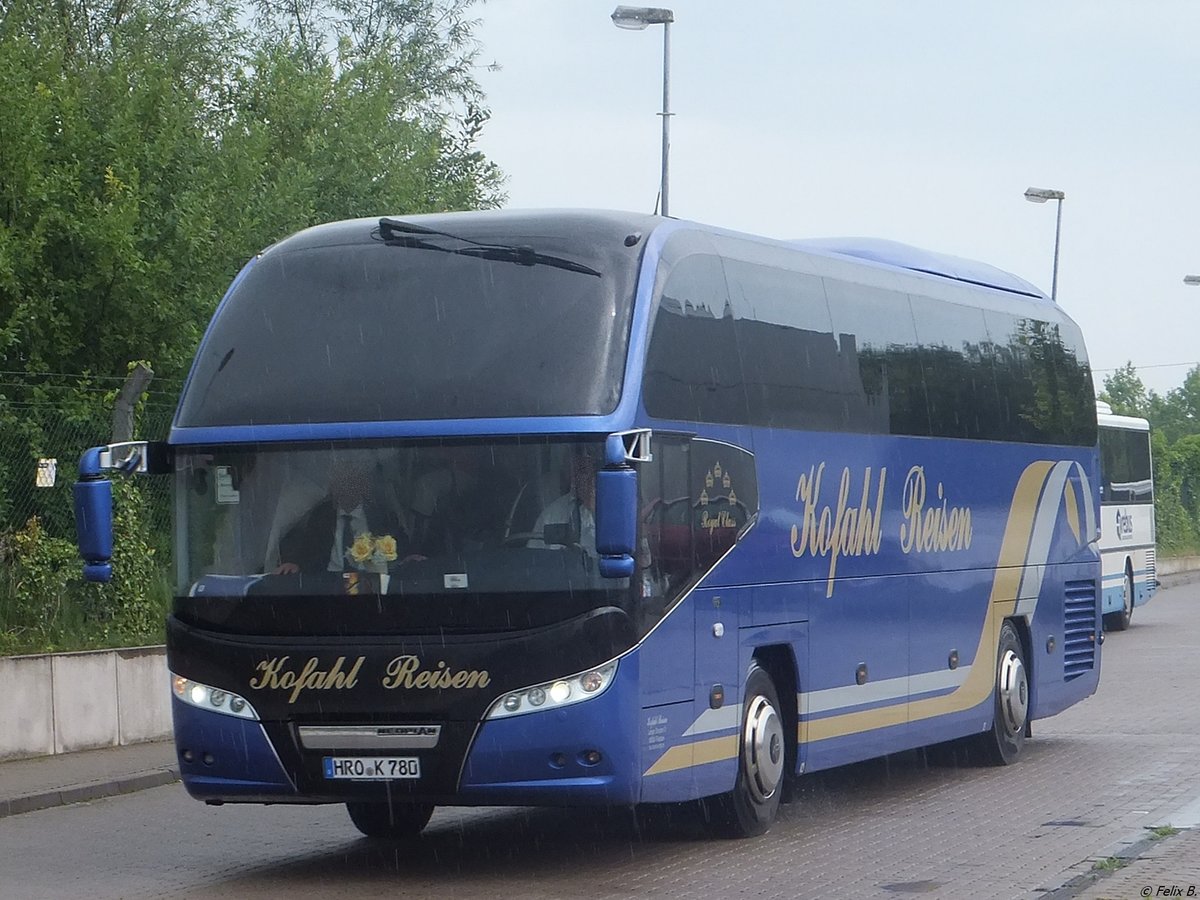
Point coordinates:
[(372, 553)]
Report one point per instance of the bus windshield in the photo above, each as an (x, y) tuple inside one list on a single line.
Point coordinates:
[(347, 327), (506, 526)]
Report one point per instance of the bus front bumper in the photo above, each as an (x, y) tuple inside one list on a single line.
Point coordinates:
[(584, 754)]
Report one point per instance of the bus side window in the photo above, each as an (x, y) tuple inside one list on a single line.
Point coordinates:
[(697, 497), (666, 560), (724, 498), (693, 369)]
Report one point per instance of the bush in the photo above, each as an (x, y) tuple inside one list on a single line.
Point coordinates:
[(139, 595), (46, 606), (44, 602)]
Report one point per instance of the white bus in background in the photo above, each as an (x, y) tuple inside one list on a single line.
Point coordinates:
[(1127, 537)]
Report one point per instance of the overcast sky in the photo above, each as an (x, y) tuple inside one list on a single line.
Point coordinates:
[(917, 121)]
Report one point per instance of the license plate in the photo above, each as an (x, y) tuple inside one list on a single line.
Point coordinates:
[(372, 768)]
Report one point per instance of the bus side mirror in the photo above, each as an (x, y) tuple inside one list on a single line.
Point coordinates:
[(93, 496), (93, 516), (616, 503)]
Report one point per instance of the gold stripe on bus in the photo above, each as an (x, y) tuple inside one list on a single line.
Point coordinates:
[(1014, 551), (1014, 555), (1073, 512), (1002, 602), (683, 756), (857, 722)]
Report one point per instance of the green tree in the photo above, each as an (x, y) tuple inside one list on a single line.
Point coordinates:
[(1125, 392), (159, 146), (386, 100), (1176, 492), (1178, 413), (151, 147), (112, 160)]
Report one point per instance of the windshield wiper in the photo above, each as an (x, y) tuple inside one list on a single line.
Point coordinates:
[(406, 234)]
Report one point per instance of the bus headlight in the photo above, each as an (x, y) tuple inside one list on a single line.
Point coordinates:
[(555, 694), (212, 699)]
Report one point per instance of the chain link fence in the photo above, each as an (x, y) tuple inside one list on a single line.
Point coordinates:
[(46, 422)]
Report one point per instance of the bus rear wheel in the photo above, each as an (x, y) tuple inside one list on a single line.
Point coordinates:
[(1119, 621), (390, 821), (1002, 743), (750, 808)]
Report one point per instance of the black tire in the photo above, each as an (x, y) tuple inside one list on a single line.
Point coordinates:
[(390, 821), (1001, 745), (750, 808), (1119, 621)]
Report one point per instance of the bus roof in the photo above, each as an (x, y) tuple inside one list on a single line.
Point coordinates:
[(887, 253), (1105, 418), (914, 259)]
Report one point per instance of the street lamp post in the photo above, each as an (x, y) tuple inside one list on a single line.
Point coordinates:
[(1041, 195), (636, 18)]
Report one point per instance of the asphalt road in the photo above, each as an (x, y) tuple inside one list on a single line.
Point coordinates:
[(1092, 781)]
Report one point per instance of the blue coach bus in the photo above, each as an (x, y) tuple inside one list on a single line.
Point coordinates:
[(587, 508)]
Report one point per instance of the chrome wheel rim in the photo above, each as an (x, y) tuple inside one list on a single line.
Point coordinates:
[(763, 749), (1013, 687)]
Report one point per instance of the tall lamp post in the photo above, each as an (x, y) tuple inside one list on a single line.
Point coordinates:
[(1041, 195), (636, 18)]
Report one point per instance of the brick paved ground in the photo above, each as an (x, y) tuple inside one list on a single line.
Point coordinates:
[(1168, 868)]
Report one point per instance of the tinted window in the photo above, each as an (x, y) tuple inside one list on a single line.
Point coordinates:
[(797, 373), (697, 497), (828, 354), (1043, 381), (724, 498), (494, 535), (956, 368), (1125, 466), (370, 332), (693, 371), (875, 327)]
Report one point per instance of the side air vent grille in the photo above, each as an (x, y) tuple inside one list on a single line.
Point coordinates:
[(1079, 628)]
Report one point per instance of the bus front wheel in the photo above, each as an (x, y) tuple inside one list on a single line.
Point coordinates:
[(1002, 744), (390, 821), (1119, 621), (750, 808)]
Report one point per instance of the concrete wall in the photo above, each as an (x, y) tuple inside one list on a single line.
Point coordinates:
[(80, 701), (1178, 564)]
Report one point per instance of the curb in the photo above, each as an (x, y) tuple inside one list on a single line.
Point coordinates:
[(1126, 853), (82, 793)]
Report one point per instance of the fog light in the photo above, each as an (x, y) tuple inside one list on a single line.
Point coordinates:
[(188, 756), (591, 757), (537, 696)]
